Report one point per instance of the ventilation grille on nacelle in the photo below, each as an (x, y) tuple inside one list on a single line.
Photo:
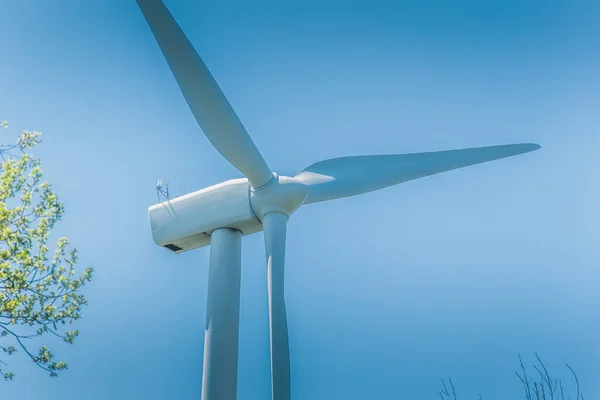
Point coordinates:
[(173, 247)]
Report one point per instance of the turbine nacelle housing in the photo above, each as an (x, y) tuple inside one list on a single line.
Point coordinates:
[(186, 222)]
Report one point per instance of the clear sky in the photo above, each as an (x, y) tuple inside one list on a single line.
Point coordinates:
[(451, 275)]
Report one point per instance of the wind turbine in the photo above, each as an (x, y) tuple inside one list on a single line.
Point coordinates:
[(262, 201)]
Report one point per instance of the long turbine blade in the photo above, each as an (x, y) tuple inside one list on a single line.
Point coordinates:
[(207, 102), (274, 225), (349, 176)]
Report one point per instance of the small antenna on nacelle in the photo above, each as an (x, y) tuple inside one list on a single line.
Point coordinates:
[(160, 191)]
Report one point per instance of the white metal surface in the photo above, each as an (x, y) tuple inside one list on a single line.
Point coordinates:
[(275, 225), (207, 102), (349, 176), (187, 221), (221, 337), (284, 195)]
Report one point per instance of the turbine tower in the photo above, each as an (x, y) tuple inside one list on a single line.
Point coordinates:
[(262, 201)]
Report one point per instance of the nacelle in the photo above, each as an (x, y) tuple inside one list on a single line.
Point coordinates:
[(185, 223)]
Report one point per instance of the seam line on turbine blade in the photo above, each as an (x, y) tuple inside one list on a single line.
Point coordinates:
[(258, 189)]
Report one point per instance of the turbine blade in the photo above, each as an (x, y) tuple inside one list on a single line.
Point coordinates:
[(349, 176), (207, 102), (274, 225)]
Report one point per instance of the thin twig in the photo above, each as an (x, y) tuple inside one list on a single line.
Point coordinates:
[(576, 381)]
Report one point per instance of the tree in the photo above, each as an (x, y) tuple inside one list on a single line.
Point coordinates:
[(39, 291)]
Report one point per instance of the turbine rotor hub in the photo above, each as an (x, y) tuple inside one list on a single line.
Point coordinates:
[(282, 195)]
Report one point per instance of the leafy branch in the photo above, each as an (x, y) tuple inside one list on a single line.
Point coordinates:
[(39, 291)]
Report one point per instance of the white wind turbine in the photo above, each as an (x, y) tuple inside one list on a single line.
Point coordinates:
[(220, 215)]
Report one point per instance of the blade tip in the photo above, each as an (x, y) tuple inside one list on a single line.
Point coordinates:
[(529, 147), (534, 146)]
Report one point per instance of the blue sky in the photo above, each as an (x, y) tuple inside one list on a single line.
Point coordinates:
[(388, 292)]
